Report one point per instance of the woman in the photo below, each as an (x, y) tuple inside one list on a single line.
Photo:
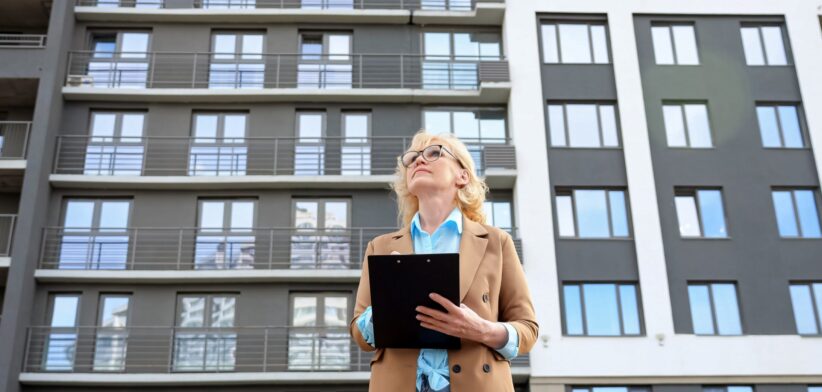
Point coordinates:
[(440, 204)]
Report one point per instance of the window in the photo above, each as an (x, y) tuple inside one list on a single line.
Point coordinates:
[(475, 127), (700, 213), (119, 59), (815, 389), (779, 126), (675, 44), (610, 389), (116, 146), (219, 147), (582, 125), (591, 213), (327, 4), (318, 338), (228, 4), (687, 125), (574, 43), (95, 234), (763, 45), (807, 307), (451, 58), (796, 213), (322, 238), (356, 143), (730, 388), (498, 214), (126, 3), (325, 60), (601, 309), (204, 339), (112, 334), (61, 340), (309, 151), (237, 60), (225, 237), (446, 5), (714, 309)]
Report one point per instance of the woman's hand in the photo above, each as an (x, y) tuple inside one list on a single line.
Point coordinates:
[(462, 322)]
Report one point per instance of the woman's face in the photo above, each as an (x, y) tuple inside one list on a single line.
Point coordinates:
[(444, 175)]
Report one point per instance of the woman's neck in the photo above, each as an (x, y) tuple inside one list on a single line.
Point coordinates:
[(433, 211)]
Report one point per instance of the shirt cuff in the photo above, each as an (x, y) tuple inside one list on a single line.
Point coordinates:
[(366, 326), (511, 348)]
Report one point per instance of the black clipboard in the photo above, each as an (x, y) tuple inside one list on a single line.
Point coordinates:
[(400, 283)]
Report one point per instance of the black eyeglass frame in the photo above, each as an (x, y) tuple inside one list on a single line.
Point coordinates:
[(421, 152)]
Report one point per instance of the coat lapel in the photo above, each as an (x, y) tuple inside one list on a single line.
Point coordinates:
[(472, 249)]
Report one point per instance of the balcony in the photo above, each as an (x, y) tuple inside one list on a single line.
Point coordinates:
[(252, 163), (22, 55), (228, 77), (14, 140), (455, 12), (186, 355), (202, 254), (7, 224)]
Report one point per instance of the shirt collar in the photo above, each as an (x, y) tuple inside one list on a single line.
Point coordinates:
[(455, 217)]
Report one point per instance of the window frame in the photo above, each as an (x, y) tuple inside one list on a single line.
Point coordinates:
[(348, 141), (600, 129), (817, 203), (694, 193), (669, 25), (228, 213), (785, 43), (570, 191), (117, 134), (320, 296), (219, 136), (325, 55), (618, 296), (578, 21), (452, 56), (803, 128), (321, 204), (816, 304), (239, 55), (208, 296), (712, 303), (93, 34), (686, 128), (479, 112), (96, 213)]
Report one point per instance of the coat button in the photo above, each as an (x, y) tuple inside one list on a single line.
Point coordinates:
[(486, 368), (456, 368), (485, 297)]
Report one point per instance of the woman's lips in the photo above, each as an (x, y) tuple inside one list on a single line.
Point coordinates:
[(421, 171)]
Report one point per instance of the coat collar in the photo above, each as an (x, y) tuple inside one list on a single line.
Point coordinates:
[(472, 249)]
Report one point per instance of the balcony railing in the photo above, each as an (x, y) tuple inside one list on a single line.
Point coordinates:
[(7, 223), (201, 249), (433, 5), (205, 156), (22, 41), (14, 139), (195, 350), (165, 70)]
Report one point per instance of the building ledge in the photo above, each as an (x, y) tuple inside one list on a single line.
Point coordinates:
[(494, 178), (489, 92), (5, 262), (203, 276), (484, 14), (12, 165)]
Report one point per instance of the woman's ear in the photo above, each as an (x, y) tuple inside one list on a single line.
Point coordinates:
[(462, 180)]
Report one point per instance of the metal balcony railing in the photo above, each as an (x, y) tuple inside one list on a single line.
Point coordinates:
[(195, 350), (207, 156), (14, 139), (22, 41), (158, 70), (433, 5), (200, 249), (7, 223)]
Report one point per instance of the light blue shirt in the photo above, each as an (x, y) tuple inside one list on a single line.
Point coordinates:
[(434, 362)]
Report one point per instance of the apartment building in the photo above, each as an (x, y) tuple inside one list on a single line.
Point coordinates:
[(189, 185)]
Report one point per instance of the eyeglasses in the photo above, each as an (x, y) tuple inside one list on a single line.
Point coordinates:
[(430, 154)]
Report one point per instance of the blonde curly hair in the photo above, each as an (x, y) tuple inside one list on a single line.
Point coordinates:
[(469, 198)]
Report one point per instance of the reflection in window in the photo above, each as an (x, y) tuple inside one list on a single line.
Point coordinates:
[(204, 339), (237, 61), (763, 45), (583, 125), (119, 60), (592, 213), (116, 146), (325, 61), (675, 44), (796, 213), (607, 309), (95, 234), (318, 337), (225, 236), (112, 335), (219, 147), (700, 213), (806, 299), (498, 214), (687, 125), (322, 238), (779, 126), (309, 151), (61, 341), (451, 58), (714, 309), (574, 43), (356, 146)]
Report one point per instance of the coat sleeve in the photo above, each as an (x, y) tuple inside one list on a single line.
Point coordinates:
[(363, 301), (515, 302)]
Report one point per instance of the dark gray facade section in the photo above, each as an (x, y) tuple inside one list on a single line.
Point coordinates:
[(754, 256)]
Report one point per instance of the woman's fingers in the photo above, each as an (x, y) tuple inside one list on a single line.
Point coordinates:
[(448, 305), (432, 312)]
